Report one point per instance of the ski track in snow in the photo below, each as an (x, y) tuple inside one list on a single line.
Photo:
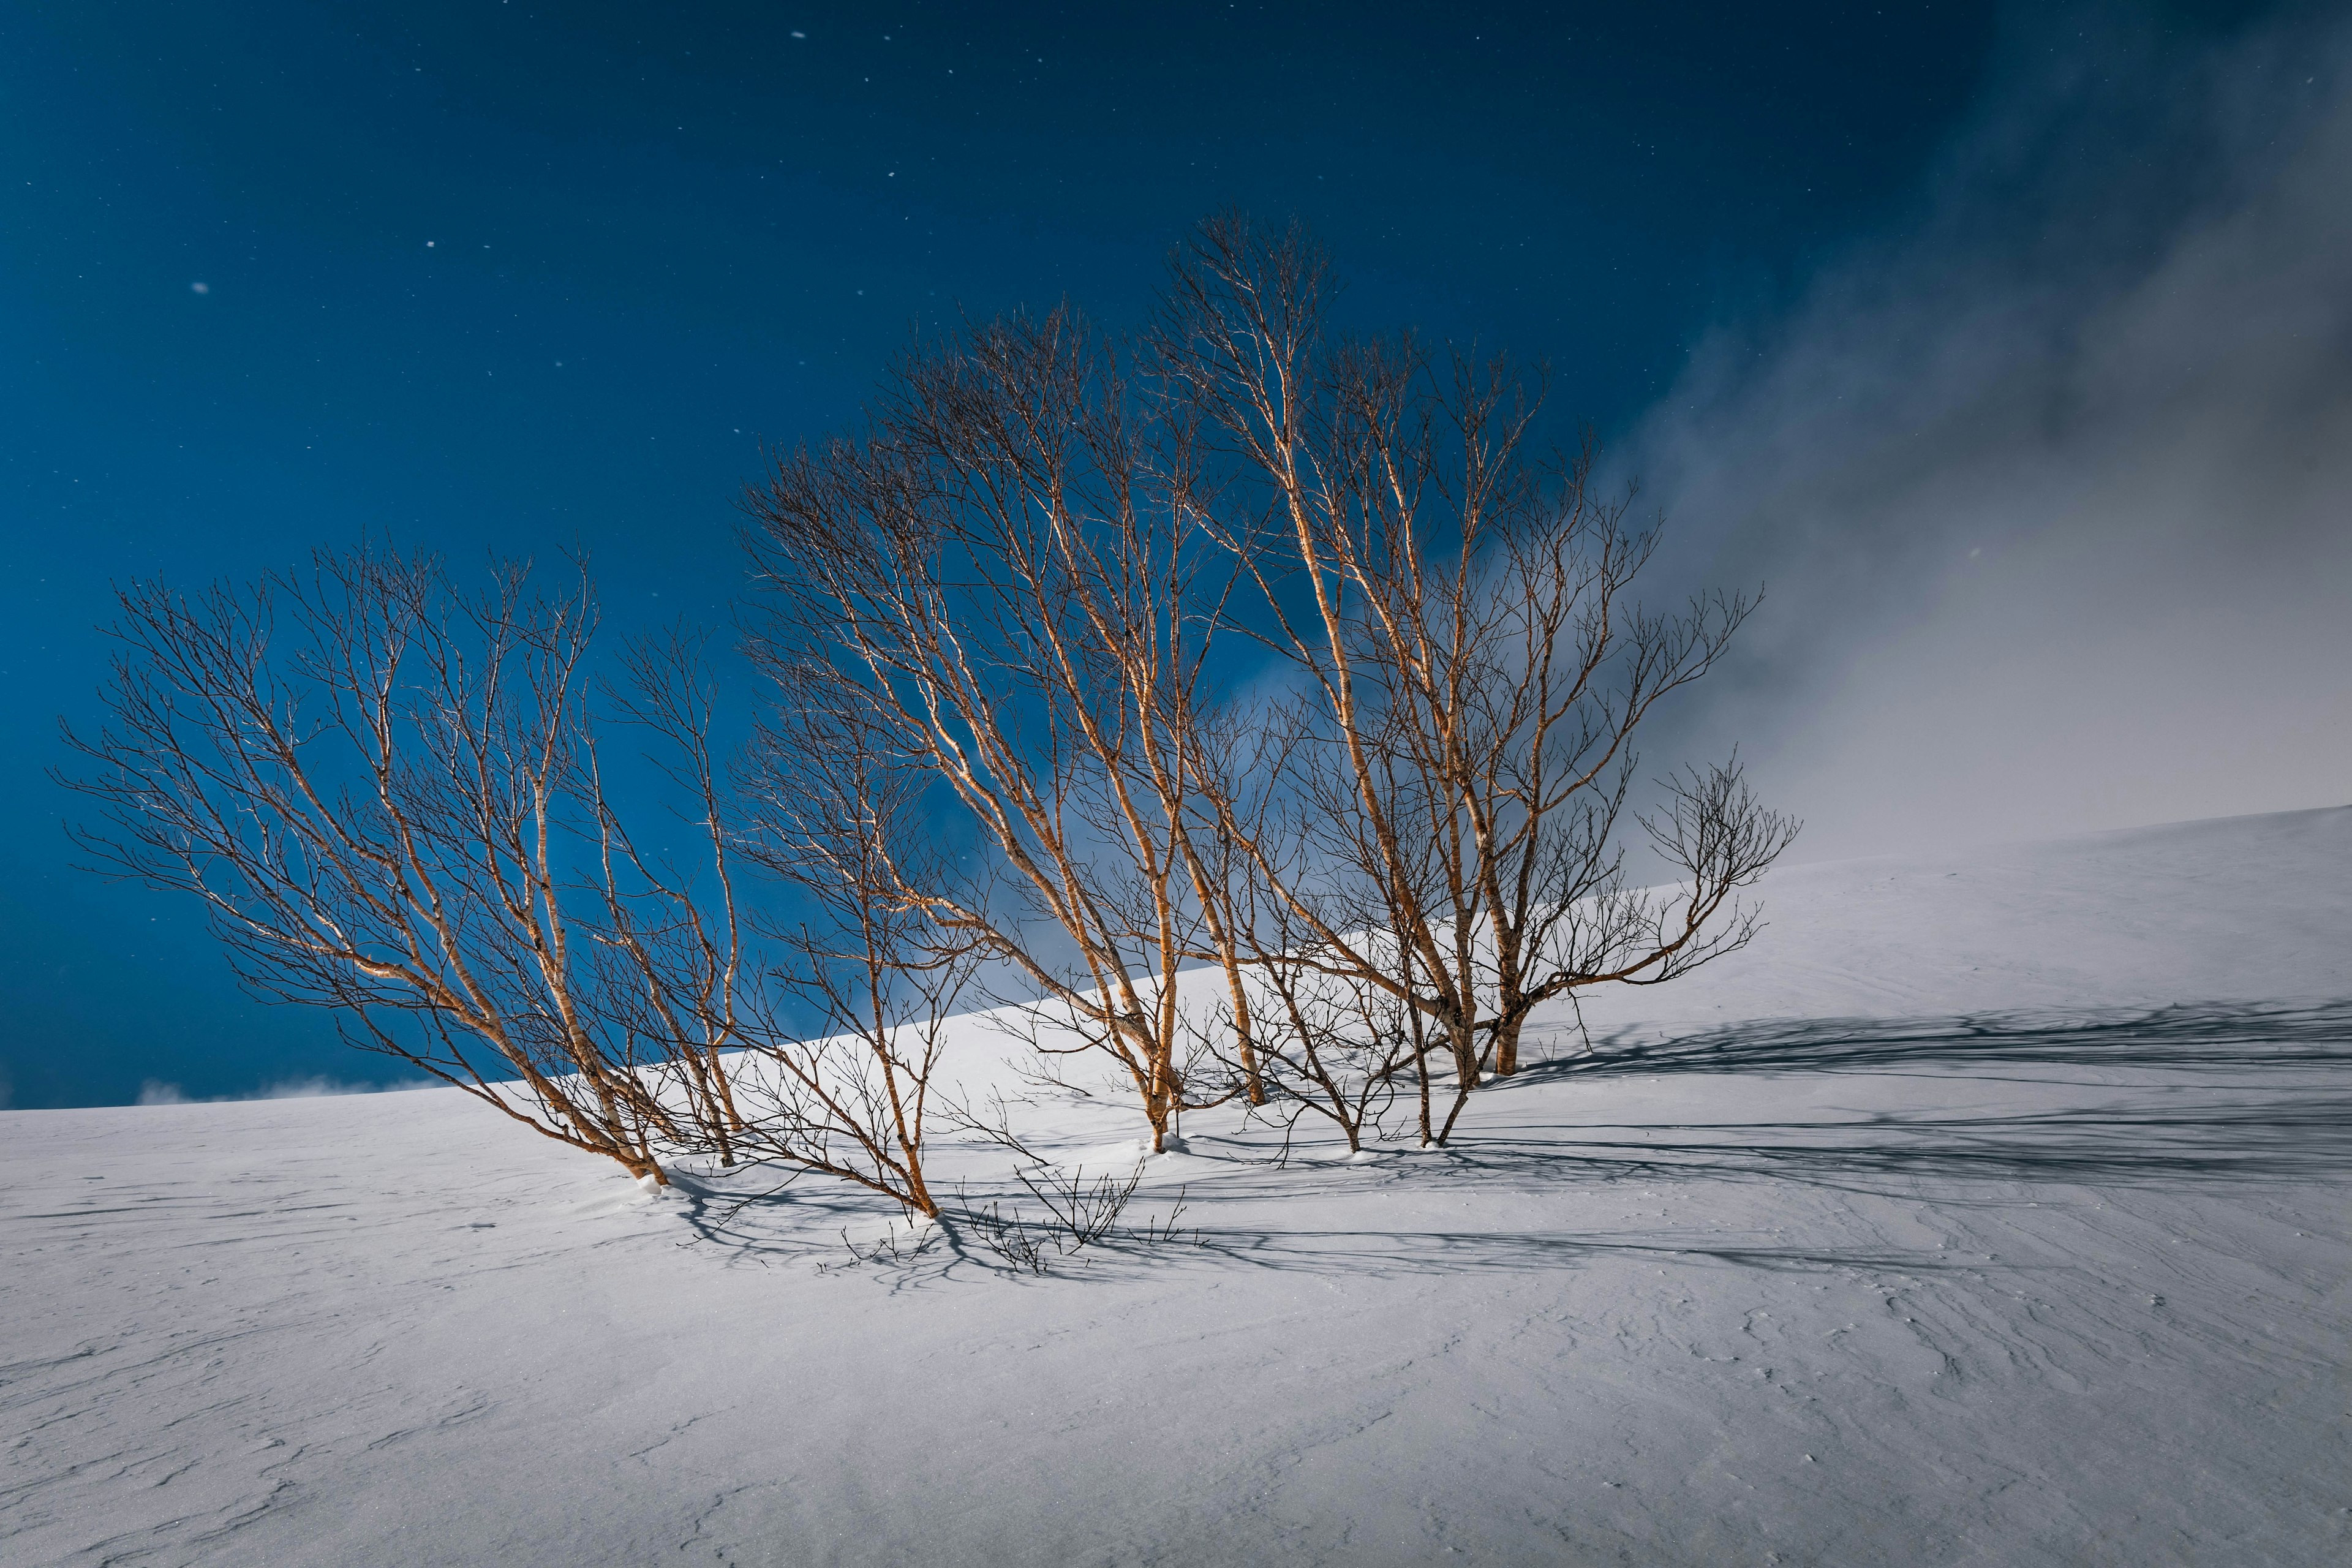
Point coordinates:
[(1931, 1230)]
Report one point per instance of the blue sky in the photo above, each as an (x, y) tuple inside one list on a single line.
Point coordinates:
[(517, 277)]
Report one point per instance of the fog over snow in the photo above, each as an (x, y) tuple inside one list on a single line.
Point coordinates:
[(2051, 488)]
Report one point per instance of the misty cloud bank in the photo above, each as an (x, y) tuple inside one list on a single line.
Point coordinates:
[(2051, 487)]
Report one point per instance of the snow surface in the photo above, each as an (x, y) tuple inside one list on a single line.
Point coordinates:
[(1991, 1209)]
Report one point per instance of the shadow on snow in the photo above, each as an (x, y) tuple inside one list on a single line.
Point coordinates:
[(2203, 1092), (2199, 1035)]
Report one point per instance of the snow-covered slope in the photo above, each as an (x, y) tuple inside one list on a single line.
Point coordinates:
[(2241, 908), (1932, 1229)]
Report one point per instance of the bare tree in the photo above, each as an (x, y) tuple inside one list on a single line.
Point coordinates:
[(1461, 617), (854, 1018), (672, 959), (1327, 1047), (1003, 582), (1341, 1050), (386, 796), (391, 799)]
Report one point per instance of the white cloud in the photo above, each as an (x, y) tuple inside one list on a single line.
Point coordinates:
[(156, 1092), (311, 1088)]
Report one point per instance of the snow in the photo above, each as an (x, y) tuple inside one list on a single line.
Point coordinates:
[(1991, 1209)]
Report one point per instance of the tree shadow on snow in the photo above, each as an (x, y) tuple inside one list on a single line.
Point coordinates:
[(2200, 1091), (2201, 1035), (2300, 1136)]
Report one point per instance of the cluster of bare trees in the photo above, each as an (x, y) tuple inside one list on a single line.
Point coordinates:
[(1248, 705), (1038, 577)]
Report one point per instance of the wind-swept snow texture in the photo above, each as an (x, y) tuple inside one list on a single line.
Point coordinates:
[(1990, 1210)]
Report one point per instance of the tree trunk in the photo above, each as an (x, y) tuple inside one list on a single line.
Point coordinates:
[(1507, 1045)]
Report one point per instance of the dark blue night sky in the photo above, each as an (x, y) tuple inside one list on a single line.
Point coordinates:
[(483, 275)]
